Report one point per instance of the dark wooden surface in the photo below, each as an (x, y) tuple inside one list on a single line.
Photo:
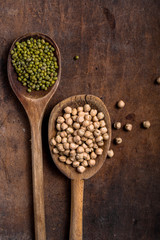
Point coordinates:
[(119, 47)]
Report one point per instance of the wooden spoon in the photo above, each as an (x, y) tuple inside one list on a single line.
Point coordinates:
[(34, 104), (77, 179)]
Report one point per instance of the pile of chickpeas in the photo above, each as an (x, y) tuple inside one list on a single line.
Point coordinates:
[(80, 136)]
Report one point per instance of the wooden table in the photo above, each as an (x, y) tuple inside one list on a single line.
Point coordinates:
[(119, 47)]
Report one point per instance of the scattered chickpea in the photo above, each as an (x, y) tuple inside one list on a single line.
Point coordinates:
[(158, 80), (110, 153), (91, 162), (120, 104), (68, 109), (118, 140), (128, 127), (146, 124), (117, 125), (81, 169), (87, 108)]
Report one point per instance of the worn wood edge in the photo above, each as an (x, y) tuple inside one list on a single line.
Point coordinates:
[(94, 101)]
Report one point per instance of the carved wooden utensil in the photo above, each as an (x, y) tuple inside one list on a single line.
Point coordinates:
[(34, 104), (77, 179)]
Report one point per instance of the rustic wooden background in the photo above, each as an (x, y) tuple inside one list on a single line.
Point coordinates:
[(119, 47)]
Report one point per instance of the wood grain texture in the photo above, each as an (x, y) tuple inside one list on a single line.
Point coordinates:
[(119, 59)]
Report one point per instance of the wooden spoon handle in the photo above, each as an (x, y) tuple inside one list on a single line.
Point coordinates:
[(76, 221), (37, 178)]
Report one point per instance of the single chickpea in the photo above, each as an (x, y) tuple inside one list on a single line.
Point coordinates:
[(91, 127), (97, 133), (84, 163), (87, 134), (91, 162), (68, 161), (60, 119), (63, 134), (89, 142), (88, 117), (58, 139), (80, 149), (158, 80), (128, 127), (86, 123), (84, 139), (72, 158), (100, 115), (100, 144), (96, 124), (84, 128), (74, 118), (93, 155), (74, 111), (53, 142), (67, 115), (66, 153), (76, 125), (80, 109), (68, 110), (80, 119), (117, 125), (99, 151), (99, 138), (146, 124), (66, 146), (70, 139), (102, 123), (60, 147), (76, 139), (72, 153), (70, 130), (95, 119), (75, 164), (81, 132), (73, 146), (80, 142), (118, 140), (103, 130), (64, 140), (105, 136), (75, 133), (62, 159), (87, 108), (91, 136), (120, 104), (64, 126), (69, 121), (87, 150), (85, 156), (95, 145), (93, 112), (81, 169), (110, 153), (81, 114), (55, 151), (79, 156), (84, 146), (58, 126)]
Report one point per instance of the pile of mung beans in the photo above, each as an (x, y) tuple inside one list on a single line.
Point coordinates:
[(35, 63), (80, 136)]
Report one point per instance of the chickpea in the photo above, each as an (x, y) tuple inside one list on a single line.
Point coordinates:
[(64, 140), (93, 155), (68, 161), (74, 117), (89, 142), (105, 136), (76, 125), (97, 133), (80, 149), (88, 117), (87, 150), (72, 153), (146, 124), (91, 127), (69, 121), (87, 108), (95, 145), (91, 136), (100, 144), (95, 119), (75, 164), (79, 156), (58, 126), (85, 156), (73, 146), (80, 109), (68, 110), (91, 162), (102, 123), (86, 123), (110, 153), (64, 126), (81, 132), (87, 134), (128, 127), (58, 139), (60, 147), (99, 138), (63, 134), (103, 130), (100, 115), (72, 158), (70, 139), (66, 153), (67, 115), (60, 119), (118, 140), (120, 104), (84, 163), (158, 80), (99, 151), (81, 114), (66, 146), (96, 124), (62, 159), (76, 139), (55, 151), (84, 146), (117, 125), (70, 130), (75, 133), (74, 111), (80, 119), (84, 139), (81, 169), (93, 112), (53, 142)]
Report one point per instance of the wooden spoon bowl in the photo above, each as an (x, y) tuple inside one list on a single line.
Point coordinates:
[(77, 183), (35, 104)]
